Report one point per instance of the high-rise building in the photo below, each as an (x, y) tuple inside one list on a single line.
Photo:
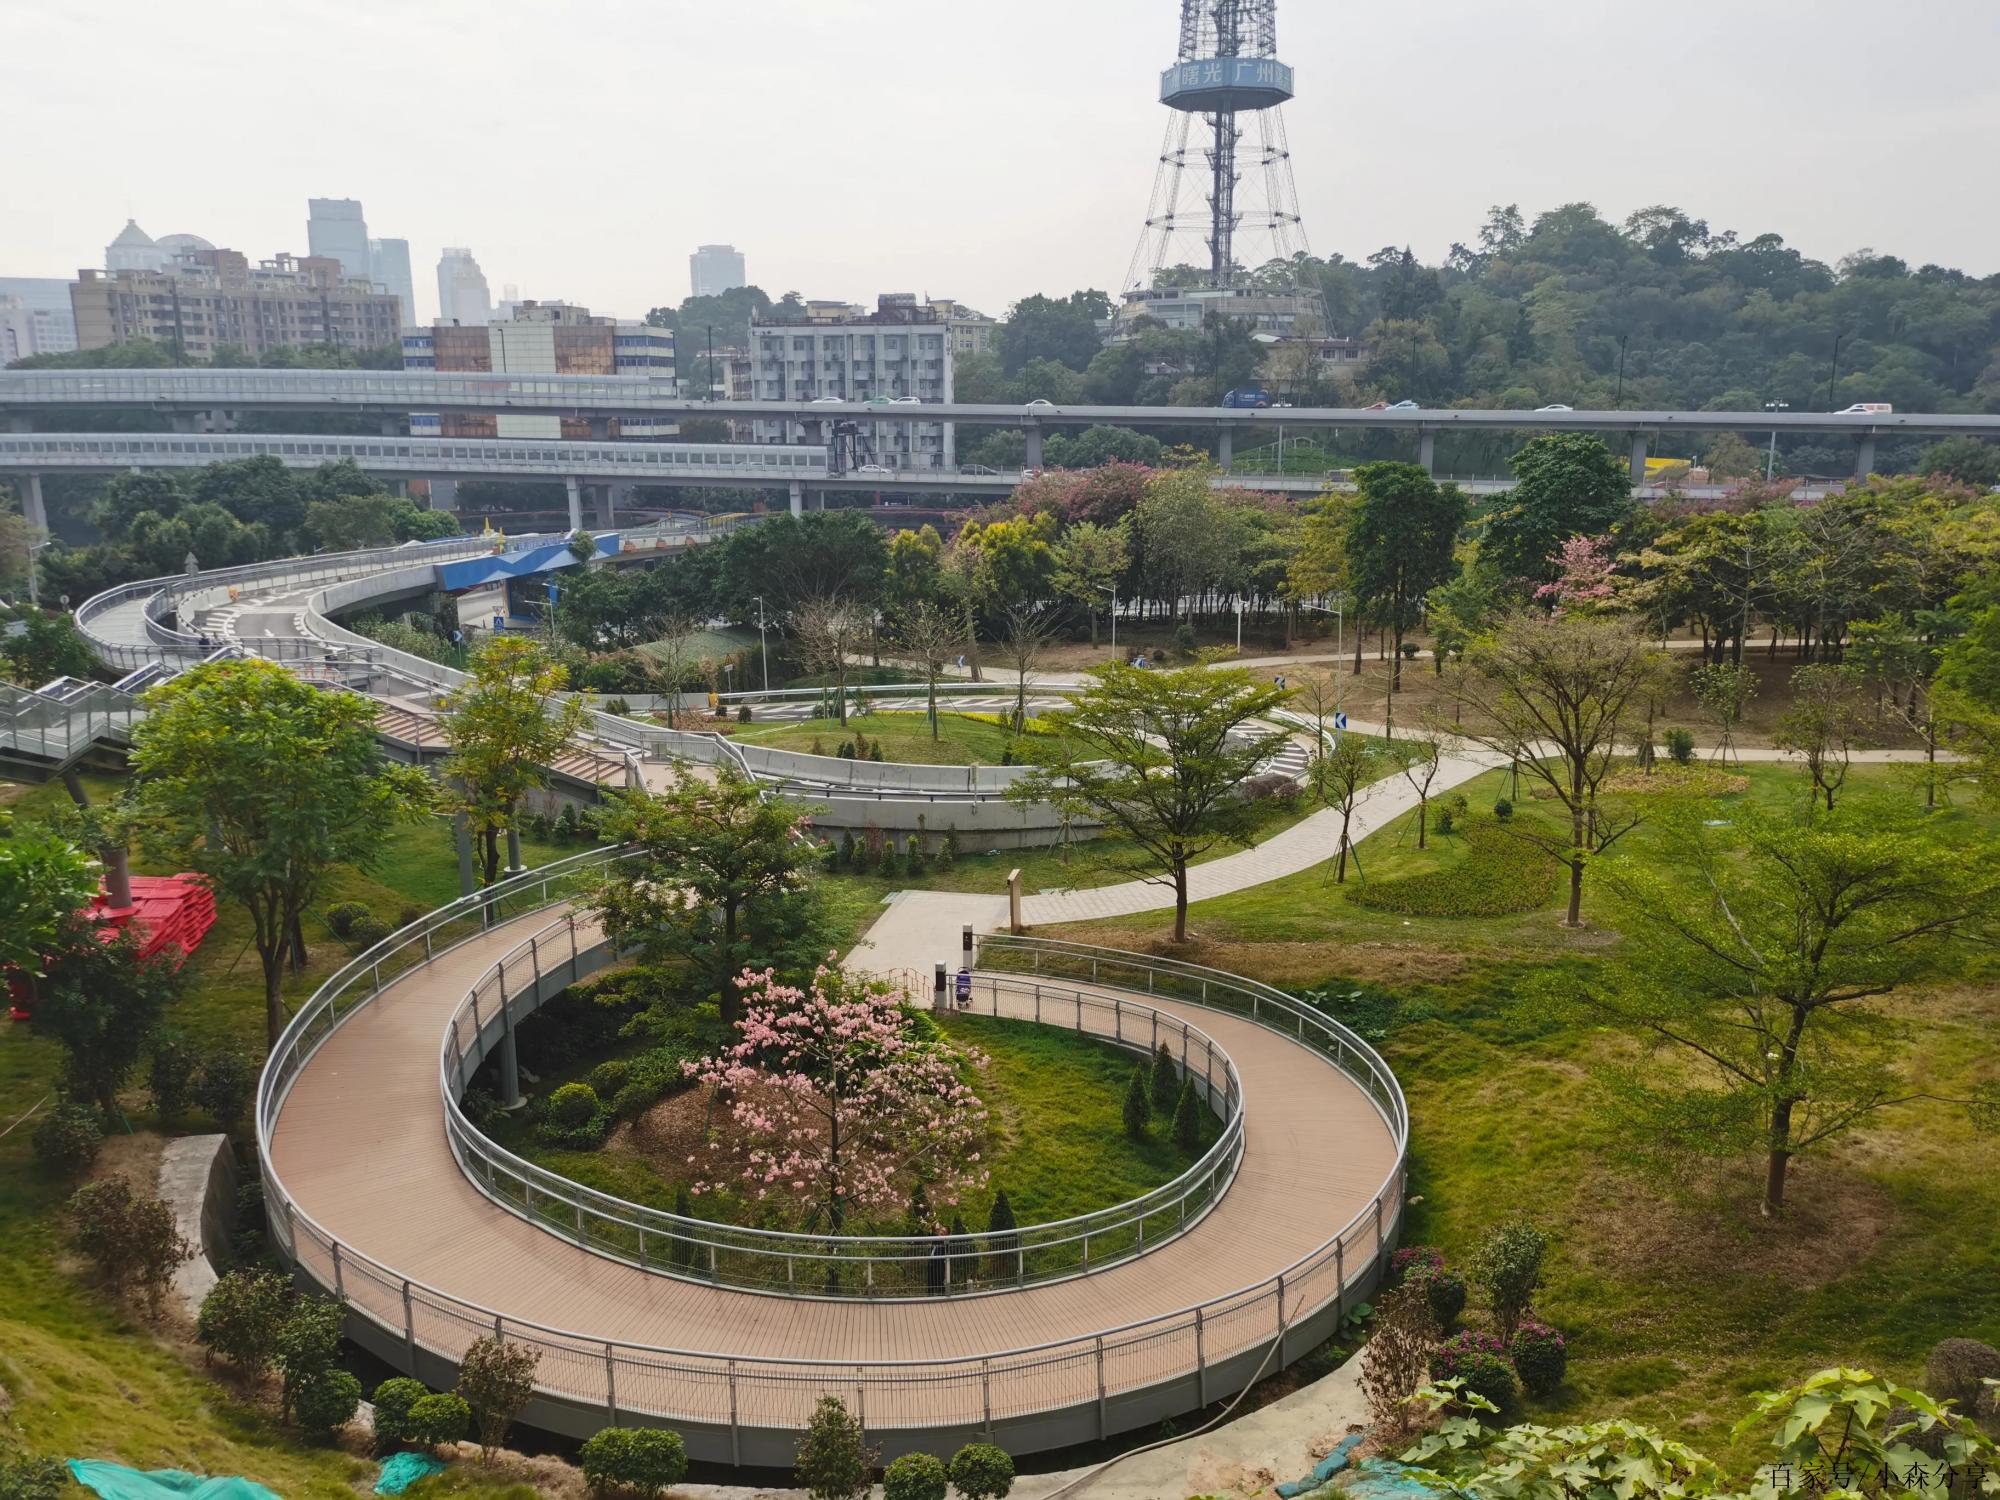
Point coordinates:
[(971, 332), (715, 269), (135, 250), (462, 295), (49, 323), (389, 268), (897, 354), (212, 298), (542, 338), (335, 228)]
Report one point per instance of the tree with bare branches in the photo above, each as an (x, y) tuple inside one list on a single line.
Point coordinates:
[(1553, 694), (830, 632), (930, 636), (1024, 639)]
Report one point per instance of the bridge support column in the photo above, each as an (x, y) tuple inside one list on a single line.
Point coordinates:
[(444, 494), (462, 831), (1225, 448), (600, 429), (1638, 470), (607, 507), (1427, 450), (19, 422), (515, 866), (1034, 435), (1864, 457), (575, 504), (798, 497), (392, 427), (510, 1059), (185, 421), (33, 510)]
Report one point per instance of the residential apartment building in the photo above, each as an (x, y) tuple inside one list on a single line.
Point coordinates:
[(542, 338), (209, 299), (897, 354), (972, 332), (715, 269), (463, 297), (41, 313)]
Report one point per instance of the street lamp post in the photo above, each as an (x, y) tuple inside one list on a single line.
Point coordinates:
[(1771, 454), (763, 646)]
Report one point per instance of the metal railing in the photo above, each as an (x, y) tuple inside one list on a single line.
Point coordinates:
[(878, 1266), (1198, 1352)]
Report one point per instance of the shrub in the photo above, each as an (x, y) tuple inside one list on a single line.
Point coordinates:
[(1509, 1268), (495, 1380), (1138, 1107), (1444, 820), (914, 1476), (948, 850), (1187, 1117), (743, 715), (1443, 1290), (1001, 1239), (635, 1099), (818, 746), (24, 1476), (393, 1401), (342, 916), (1958, 1369), (1496, 875), (308, 1343), (1409, 1258), (1680, 746), (1397, 1360), (442, 1417), (1480, 1360), (170, 1078), (913, 855), (832, 1461), (846, 750), (887, 857), (369, 931), (1540, 1356), (129, 1238), (223, 1087), (609, 1076), (875, 751), (410, 912), (241, 1315), (1503, 809), (637, 1460), (980, 1471), (68, 1138), (617, 706), (1166, 1081), (1184, 641), (572, 1105), (847, 850), (327, 1401)]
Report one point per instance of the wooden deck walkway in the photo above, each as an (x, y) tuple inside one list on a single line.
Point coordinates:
[(359, 1147)]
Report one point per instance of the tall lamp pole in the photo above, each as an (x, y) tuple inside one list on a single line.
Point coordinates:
[(763, 645), (1771, 454), (1619, 399)]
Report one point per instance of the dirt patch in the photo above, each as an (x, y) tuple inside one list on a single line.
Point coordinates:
[(1833, 1222), (1393, 965), (1694, 781)]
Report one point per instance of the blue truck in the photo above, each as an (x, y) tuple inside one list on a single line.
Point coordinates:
[(1248, 395)]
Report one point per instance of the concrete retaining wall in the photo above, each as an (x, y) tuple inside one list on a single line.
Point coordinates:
[(198, 1182)]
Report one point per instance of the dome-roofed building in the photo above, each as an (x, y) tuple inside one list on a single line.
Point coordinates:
[(177, 245), (135, 250)]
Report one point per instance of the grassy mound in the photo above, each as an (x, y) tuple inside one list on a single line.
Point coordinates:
[(1495, 875)]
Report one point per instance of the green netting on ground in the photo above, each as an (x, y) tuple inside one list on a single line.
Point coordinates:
[(116, 1482), (401, 1470)]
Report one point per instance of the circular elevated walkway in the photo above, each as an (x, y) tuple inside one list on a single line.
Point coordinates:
[(366, 1193)]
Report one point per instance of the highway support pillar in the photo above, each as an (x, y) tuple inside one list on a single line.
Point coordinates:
[(1225, 448), (575, 503), (798, 497), (607, 507), (1864, 456), (1427, 450), (185, 421), (443, 494), (1638, 470), (392, 427), (19, 421), (33, 510), (1033, 433)]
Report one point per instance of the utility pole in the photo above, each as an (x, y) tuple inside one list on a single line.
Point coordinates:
[(763, 645), (1833, 370), (1619, 399)]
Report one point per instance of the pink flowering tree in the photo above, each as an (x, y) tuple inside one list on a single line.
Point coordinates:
[(839, 1102), (1585, 581)]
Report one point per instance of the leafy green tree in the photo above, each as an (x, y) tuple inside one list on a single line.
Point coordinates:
[(833, 1460), (1089, 560), (222, 758), (1509, 1270), (241, 1317), (1164, 1080), (1138, 1106), (1400, 540), (1060, 330), (1555, 695), (1966, 459), (129, 1237), (1723, 690), (634, 1460), (506, 724), (49, 646), (496, 1380), (1174, 746), (722, 883), (101, 1002), (1757, 963), (1187, 1117), (1565, 484), (43, 880), (1339, 773), (1822, 724)]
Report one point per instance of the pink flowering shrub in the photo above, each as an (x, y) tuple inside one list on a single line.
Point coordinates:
[(1585, 583), (841, 1101)]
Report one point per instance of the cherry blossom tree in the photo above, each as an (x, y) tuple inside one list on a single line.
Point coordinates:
[(840, 1102), (1585, 581)]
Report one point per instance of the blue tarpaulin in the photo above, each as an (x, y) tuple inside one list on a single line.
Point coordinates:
[(471, 572), (1324, 1470)]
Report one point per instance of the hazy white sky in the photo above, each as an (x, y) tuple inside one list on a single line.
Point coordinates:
[(982, 149)]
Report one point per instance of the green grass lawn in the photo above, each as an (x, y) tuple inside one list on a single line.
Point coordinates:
[(1677, 1305), (962, 739)]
